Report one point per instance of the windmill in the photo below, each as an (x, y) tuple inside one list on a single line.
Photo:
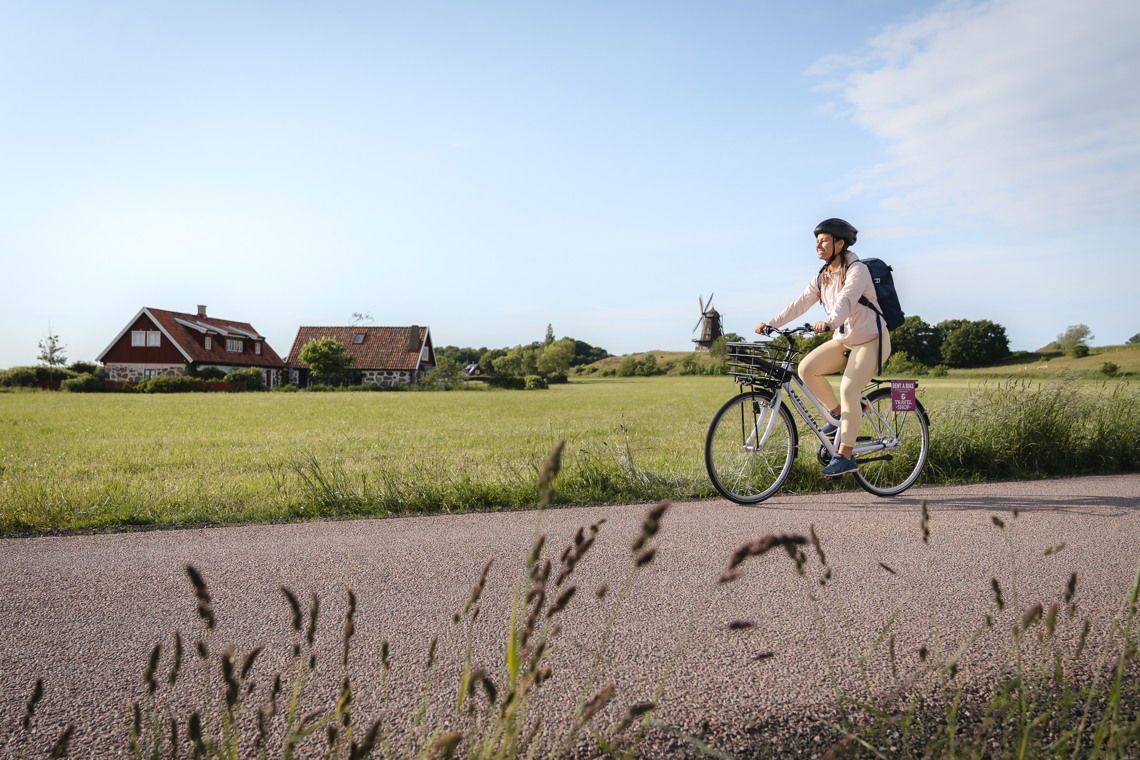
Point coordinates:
[(709, 325)]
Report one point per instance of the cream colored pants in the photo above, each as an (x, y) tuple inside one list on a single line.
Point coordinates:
[(858, 369)]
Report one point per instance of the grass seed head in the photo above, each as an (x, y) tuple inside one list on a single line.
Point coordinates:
[(998, 599), (1031, 616), (176, 665), (596, 704), (817, 546), (62, 744), (151, 668), (205, 606), (295, 608), (561, 602), (1071, 588), (314, 613), (925, 523), (33, 701), (1051, 618), (445, 745)]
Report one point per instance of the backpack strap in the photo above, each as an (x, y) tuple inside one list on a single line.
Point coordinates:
[(879, 316)]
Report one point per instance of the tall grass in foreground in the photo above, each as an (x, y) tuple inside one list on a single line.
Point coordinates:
[(204, 699), (1051, 700)]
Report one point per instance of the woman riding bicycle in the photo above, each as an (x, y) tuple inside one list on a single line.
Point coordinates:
[(859, 344)]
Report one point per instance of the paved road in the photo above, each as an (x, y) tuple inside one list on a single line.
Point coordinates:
[(84, 612)]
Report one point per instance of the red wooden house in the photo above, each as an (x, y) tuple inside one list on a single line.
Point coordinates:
[(159, 342), (381, 355)]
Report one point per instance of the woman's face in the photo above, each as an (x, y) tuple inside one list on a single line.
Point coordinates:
[(826, 246)]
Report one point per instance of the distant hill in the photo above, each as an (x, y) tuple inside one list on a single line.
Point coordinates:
[(1042, 364), (1027, 364)]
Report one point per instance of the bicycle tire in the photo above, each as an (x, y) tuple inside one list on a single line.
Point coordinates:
[(892, 471), (743, 473)]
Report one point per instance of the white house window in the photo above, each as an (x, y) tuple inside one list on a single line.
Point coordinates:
[(145, 338), (257, 348), (358, 338), (209, 343), (148, 374), (233, 346)]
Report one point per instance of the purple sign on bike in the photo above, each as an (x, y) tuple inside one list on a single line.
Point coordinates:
[(902, 395)]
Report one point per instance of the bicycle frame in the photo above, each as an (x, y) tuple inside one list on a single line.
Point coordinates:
[(798, 397)]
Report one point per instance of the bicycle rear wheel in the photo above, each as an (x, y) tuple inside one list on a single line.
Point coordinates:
[(895, 468), (748, 453)]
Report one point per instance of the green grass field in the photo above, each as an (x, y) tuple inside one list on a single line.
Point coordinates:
[(103, 461)]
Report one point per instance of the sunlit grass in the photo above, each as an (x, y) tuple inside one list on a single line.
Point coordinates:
[(94, 461)]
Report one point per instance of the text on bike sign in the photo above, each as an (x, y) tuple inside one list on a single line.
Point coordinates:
[(903, 395)]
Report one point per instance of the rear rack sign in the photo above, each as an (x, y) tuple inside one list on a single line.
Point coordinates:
[(902, 395)]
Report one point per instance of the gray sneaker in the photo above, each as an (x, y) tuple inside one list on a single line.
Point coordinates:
[(831, 424), (839, 466)]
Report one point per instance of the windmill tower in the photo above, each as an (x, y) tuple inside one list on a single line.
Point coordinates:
[(708, 324)]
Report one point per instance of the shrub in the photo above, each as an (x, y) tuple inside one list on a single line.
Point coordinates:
[(251, 376), (287, 388), (646, 366), (902, 363), (171, 384), (19, 377), (319, 388), (1110, 369), (939, 370), (1078, 351), (535, 383), (207, 373), (85, 368), (88, 382), (509, 382)]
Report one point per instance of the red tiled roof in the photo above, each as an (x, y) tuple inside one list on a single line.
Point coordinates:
[(382, 348), (186, 331)]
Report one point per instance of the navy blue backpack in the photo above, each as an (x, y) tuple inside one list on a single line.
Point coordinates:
[(890, 310), (892, 313)]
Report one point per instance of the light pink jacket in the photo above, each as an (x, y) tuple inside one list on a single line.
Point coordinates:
[(853, 322)]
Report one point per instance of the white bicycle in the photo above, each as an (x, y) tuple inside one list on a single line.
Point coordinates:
[(753, 440)]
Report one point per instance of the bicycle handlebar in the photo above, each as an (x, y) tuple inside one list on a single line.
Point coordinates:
[(804, 329)]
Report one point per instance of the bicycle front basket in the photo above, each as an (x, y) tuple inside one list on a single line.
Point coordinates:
[(758, 363)]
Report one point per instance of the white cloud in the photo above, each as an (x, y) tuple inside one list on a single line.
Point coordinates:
[(1014, 111)]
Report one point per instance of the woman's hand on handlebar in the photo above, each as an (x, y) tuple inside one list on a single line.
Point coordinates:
[(821, 327), (763, 328)]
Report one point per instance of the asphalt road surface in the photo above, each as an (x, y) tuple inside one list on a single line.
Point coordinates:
[(84, 612)]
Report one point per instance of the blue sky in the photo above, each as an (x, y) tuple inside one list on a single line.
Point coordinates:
[(487, 168)]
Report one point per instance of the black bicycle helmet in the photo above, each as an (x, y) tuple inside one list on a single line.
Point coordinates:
[(838, 228)]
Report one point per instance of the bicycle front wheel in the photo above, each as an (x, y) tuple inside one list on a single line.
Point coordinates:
[(905, 437), (750, 448)]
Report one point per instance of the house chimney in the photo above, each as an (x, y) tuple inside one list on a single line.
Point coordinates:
[(201, 311), (414, 338)]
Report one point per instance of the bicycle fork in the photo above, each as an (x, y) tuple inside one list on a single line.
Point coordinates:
[(756, 439)]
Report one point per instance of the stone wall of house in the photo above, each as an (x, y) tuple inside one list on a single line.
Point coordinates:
[(136, 373), (387, 377), (380, 377)]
